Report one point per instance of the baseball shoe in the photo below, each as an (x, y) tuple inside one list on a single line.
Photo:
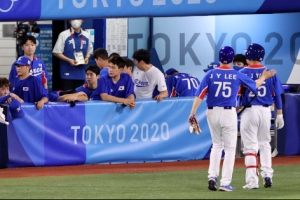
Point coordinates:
[(213, 183), (267, 182), (226, 188), (250, 186)]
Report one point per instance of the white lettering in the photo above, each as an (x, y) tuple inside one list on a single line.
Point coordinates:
[(210, 1), (154, 138), (228, 76), (121, 140), (133, 139), (104, 3), (177, 2), (119, 3), (60, 4), (165, 134), (82, 4), (159, 2), (218, 75), (145, 132), (117, 134), (98, 134), (258, 75), (195, 1), (75, 128), (86, 135), (136, 2), (79, 5), (110, 132)]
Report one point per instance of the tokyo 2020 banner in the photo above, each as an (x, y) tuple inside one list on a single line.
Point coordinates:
[(103, 132), (20, 10)]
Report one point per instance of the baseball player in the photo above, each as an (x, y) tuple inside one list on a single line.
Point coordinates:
[(149, 81), (181, 84), (92, 74), (27, 87), (116, 86), (221, 86), (256, 119), (211, 66)]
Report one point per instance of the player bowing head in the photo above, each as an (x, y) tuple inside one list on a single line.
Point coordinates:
[(226, 55), (255, 52)]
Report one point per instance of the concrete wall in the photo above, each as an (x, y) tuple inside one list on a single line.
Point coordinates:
[(7, 48)]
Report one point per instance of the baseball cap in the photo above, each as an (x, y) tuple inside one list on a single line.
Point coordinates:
[(170, 71), (15, 109), (212, 65), (23, 60)]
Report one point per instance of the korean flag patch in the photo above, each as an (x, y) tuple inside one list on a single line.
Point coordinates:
[(25, 88), (121, 88)]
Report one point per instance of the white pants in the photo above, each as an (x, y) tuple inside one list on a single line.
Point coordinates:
[(255, 134), (223, 128)]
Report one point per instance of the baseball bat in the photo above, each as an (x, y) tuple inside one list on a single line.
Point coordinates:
[(248, 104)]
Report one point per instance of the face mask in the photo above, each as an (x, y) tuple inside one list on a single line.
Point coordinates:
[(237, 68), (76, 24)]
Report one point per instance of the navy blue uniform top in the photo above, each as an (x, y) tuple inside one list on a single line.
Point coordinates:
[(84, 88), (268, 92), (30, 89), (222, 85), (37, 69), (122, 89), (182, 84)]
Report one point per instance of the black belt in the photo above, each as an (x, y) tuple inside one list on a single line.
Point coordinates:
[(225, 107), (266, 105)]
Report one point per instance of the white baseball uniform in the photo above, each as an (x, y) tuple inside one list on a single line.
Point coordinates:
[(256, 123), (221, 85)]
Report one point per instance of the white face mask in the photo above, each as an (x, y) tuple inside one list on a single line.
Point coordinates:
[(76, 23)]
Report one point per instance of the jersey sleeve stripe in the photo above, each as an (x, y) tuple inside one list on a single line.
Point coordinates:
[(203, 93)]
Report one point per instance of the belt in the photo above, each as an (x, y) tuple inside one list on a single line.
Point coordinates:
[(266, 105), (225, 107)]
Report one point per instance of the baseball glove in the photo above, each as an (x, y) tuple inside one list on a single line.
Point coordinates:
[(194, 126)]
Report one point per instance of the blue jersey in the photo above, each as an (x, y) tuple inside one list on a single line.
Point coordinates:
[(54, 95), (269, 91), (104, 71), (182, 84), (37, 69), (84, 88), (122, 89), (221, 85), (30, 89)]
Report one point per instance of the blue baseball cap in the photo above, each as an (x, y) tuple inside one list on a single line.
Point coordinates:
[(170, 71), (15, 109), (212, 65), (23, 60)]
